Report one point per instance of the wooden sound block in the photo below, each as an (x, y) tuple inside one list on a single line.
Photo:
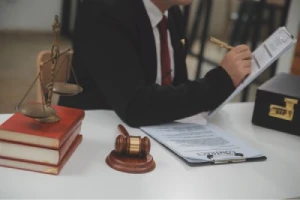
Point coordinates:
[(130, 164)]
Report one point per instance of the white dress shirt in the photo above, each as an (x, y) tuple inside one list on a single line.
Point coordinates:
[(156, 16)]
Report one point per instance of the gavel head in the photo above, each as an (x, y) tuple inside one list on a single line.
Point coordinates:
[(132, 145)]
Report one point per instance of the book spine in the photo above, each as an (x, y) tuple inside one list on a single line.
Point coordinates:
[(65, 147), (72, 149), (67, 135)]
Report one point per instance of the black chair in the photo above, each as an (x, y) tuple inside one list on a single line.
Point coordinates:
[(203, 11)]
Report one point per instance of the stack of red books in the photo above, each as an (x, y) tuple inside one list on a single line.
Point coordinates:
[(40, 147)]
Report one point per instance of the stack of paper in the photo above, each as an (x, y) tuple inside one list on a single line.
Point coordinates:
[(197, 143)]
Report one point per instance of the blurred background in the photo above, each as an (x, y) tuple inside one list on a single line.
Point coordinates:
[(26, 30)]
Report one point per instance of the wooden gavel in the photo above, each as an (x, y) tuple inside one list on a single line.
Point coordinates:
[(131, 145)]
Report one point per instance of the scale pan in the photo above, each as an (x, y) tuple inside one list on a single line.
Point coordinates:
[(36, 110), (66, 89)]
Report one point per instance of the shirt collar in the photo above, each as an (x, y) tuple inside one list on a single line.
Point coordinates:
[(154, 13)]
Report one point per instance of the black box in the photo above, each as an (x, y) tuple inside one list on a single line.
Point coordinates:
[(277, 104)]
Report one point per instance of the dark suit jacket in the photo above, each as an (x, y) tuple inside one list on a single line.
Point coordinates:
[(115, 63)]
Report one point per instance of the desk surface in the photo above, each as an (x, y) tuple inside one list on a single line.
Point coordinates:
[(86, 175)]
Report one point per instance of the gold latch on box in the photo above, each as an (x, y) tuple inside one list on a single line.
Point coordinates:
[(285, 113)]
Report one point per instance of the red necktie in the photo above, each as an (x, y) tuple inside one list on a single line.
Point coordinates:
[(164, 52)]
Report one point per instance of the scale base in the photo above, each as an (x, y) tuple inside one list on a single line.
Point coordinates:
[(51, 119)]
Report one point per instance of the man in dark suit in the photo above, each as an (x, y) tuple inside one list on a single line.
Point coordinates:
[(128, 57)]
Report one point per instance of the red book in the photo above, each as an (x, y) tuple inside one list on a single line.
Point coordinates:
[(37, 154), (40, 167), (21, 129)]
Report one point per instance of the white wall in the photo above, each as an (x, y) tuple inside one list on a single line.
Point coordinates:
[(293, 24), (32, 15)]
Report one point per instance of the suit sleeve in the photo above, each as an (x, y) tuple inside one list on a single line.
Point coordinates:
[(113, 63)]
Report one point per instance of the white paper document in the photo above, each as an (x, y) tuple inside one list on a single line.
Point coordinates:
[(195, 119), (200, 143), (268, 52)]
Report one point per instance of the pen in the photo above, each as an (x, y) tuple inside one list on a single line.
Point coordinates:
[(220, 43)]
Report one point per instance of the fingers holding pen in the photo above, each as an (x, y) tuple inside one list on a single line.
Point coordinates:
[(237, 63)]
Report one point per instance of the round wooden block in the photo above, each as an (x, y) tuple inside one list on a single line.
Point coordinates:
[(130, 164)]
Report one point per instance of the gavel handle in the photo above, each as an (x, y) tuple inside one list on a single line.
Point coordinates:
[(123, 130)]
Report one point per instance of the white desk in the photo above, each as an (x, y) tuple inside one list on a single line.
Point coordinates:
[(86, 175)]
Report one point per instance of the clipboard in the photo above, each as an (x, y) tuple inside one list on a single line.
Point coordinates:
[(200, 145), (239, 158), (273, 47)]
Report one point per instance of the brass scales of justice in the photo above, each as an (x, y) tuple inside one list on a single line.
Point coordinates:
[(43, 111)]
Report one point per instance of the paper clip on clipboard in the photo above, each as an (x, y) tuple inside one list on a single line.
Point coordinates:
[(237, 157)]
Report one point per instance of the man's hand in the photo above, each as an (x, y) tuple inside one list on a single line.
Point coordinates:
[(237, 63)]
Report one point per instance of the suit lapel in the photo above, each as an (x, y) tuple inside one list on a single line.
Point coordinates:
[(147, 49), (179, 52)]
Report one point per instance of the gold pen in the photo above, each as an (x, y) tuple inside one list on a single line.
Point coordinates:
[(220, 43)]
